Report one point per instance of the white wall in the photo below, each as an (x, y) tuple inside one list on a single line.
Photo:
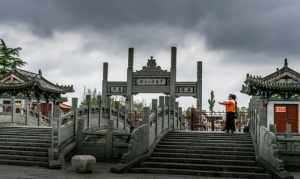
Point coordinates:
[(270, 111)]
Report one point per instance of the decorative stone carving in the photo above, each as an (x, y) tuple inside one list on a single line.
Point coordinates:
[(268, 149)]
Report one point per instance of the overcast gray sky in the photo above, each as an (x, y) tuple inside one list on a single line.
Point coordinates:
[(70, 39)]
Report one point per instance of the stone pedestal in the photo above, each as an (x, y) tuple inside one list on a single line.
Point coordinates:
[(83, 163)]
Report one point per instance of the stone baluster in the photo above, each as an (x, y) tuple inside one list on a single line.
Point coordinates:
[(109, 133), (118, 115), (57, 117), (176, 114), (88, 102), (38, 107), (124, 117), (162, 111), (74, 109), (146, 121), (13, 108), (27, 111), (100, 110), (53, 129), (167, 103), (289, 130), (154, 110), (180, 118)]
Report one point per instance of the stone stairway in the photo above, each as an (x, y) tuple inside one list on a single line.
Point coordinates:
[(203, 154), (25, 146)]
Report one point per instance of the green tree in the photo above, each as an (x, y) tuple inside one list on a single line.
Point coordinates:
[(9, 58), (211, 103)]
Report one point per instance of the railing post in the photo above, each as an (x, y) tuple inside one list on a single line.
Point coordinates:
[(154, 110), (27, 111), (88, 102), (176, 115), (167, 102), (13, 108), (53, 129), (109, 133), (38, 107), (74, 109), (162, 111), (180, 118), (100, 110), (124, 115), (118, 115), (288, 130), (146, 113), (57, 116)]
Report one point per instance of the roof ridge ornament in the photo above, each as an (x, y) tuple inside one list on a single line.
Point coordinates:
[(286, 64), (40, 72)]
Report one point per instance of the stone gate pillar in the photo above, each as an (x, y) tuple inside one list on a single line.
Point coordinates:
[(199, 85), (129, 98), (173, 85), (105, 102)]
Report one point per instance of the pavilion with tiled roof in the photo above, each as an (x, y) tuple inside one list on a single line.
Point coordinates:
[(24, 83), (33, 89), (280, 93), (282, 84)]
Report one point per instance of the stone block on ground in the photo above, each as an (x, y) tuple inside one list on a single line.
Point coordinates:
[(83, 163)]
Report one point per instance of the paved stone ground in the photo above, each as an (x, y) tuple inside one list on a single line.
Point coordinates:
[(101, 171)]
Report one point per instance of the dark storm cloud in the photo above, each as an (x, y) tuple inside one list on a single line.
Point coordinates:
[(251, 26)]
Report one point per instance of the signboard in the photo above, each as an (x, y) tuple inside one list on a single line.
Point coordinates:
[(151, 81), (280, 109)]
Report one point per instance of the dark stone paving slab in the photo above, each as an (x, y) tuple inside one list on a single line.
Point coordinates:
[(101, 171)]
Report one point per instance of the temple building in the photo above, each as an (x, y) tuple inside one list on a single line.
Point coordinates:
[(26, 92), (280, 93)]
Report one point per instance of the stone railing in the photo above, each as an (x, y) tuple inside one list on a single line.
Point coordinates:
[(63, 135), (155, 125), (265, 140), (289, 149), (97, 117)]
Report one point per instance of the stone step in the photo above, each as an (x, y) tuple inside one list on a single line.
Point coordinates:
[(207, 141), (193, 166), (25, 153), (203, 161), (206, 144), (205, 147), (25, 131), (23, 157), (179, 171), (26, 134), (24, 148), (26, 137), (24, 163), (204, 156), (220, 152), (208, 138), (25, 140), (208, 134), (40, 144)]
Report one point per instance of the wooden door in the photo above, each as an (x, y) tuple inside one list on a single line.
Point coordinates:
[(284, 114), (292, 116)]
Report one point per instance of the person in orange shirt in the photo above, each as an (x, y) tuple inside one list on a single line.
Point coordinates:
[(230, 106)]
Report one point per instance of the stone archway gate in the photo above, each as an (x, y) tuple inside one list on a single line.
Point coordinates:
[(151, 79)]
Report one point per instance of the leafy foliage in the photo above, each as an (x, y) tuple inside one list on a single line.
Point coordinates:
[(9, 58), (211, 101)]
